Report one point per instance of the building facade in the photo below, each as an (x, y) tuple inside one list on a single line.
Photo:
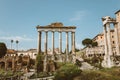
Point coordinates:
[(31, 52), (108, 41)]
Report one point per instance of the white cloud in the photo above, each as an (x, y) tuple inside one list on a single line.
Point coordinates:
[(78, 15), (20, 38)]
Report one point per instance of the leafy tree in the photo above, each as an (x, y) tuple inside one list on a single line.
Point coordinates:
[(39, 63), (3, 49), (87, 42), (94, 44)]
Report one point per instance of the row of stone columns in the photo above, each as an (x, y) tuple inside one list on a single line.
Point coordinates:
[(107, 39), (60, 42), (108, 43)]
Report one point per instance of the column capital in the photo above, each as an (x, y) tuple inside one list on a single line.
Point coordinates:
[(72, 32), (53, 31), (115, 24), (60, 31), (107, 24), (46, 31), (66, 32)]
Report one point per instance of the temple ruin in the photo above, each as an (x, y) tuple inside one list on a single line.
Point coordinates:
[(56, 28)]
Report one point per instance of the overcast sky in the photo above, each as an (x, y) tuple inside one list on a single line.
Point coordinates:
[(19, 18)]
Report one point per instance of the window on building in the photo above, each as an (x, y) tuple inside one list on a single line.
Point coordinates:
[(112, 36), (21, 54), (113, 42), (35, 54), (103, 54)]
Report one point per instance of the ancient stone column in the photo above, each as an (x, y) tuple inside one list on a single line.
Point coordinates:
[(46, 41), (60, 42), (107, 61), (52, 42), (53, 56), (45, 54), (109, 39), (73, 42), (67, 46), (13, 63), (45, 63), (6, 64), (116, 39), (105, 40), (39, 42)]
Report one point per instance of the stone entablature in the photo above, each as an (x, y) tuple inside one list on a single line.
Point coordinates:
[(108, 19), (56, 29)]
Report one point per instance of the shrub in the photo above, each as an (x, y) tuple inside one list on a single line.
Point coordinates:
[(67, 72), (39, 63), (3, 49)]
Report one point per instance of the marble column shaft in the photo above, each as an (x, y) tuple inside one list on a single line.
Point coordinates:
[(13, 63), (39, 42), (109, 39), (60, 42), (116, 38), (73, 41), (6, 64), (67, 46), (105, 40), (45, 57), (46, 42), (52, 42)]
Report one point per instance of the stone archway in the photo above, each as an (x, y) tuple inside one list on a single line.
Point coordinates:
[(2, 65)]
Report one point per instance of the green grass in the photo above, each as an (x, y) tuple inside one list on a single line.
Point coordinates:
[(67, 72), (103, 74)]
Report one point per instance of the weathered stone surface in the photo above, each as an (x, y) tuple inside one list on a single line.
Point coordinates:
[(86, 66)]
